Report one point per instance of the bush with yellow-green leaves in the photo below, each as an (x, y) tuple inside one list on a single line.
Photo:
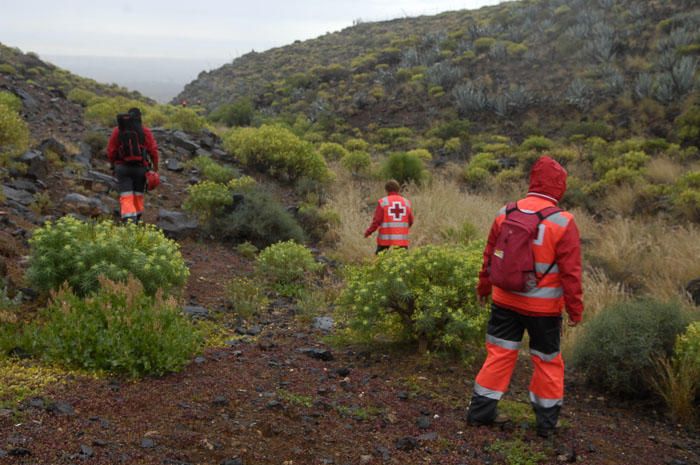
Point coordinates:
[(287, 266), (78, 253), (14, 133), (424, 295), (277, 151)]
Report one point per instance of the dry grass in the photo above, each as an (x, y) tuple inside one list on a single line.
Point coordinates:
[(676, 382), (650, 257), (438, 207), (663, 170), (621, 200)]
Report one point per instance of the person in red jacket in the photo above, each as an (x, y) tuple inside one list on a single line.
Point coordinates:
[(393, 217), (557, 252), (130, 166)]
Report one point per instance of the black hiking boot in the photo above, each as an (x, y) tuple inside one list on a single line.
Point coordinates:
[(500, 420)]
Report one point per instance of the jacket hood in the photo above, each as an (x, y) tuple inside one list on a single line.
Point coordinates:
[(548, 177)]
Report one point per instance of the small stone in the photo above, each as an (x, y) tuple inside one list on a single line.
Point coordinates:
[(365, 459), (407, 443), (403, 395), (61, 408), (319, 354), (220, 401), (147, 443), (19, 452), (424, 422), (432, 436), (199, 360), (99, 443), (323, 323), (3, 453), (37, 402), (343, 371), (274, 405), (86, 451), (234, 461)]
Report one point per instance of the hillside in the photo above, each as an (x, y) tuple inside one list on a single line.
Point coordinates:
[(519, 68), (248, 322)]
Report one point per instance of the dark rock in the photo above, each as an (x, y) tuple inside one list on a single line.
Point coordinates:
[(424, 422), (147, 443), (19, 452), (432, 436), (52, 145), (234, 461), (100, 443), (319, 354), (182, 140), (37, 402), (208, 139), (88, 206), (677, 462), (254, 330), (693, 290), (24, 185), (323, 323), (343, 371), (37, 164), (61, 408), (403, 395), (384, 452), (172, 164), (407, 443), (28, 101), (220, 401), (274, 405), (19, 196), (86, 451), (3, 453), (195, 312), (101, 178), (176, 225)]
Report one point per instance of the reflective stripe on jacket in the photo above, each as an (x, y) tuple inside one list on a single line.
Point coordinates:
[(397, 219)]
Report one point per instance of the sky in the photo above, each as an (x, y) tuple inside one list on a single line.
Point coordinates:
[(95, 36)]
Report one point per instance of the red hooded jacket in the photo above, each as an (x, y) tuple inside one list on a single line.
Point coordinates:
[(151, 146), (560, 245)]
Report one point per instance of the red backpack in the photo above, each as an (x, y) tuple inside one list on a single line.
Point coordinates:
[(132, 141), (512, 265)]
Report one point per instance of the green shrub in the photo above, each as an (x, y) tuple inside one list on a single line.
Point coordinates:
[(317, 222), (118, 329), (77, 252), (424, 295), (453, 128), (6, 68), (81, 96), (484, 44), (357, 162), (14, 134), (96, 140), (332, 151), (11, 101), (247, 249), (208, 200), (587, 129), (104, 110), (539, 143), (356, 145), (245, 296), (211, 170), (239, 113), (404, 167), (287, 266), (258, 218), (688, 126), (616, 350), (184, 119), (685, 196), (517, 452), (277, 151)]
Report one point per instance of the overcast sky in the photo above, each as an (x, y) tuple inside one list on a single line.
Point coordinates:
[(203, 33)]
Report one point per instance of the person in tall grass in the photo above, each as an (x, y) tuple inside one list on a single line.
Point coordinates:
[(393, 218), (554, 284)]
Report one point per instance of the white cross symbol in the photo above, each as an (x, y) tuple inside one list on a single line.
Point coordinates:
[(397, 211)]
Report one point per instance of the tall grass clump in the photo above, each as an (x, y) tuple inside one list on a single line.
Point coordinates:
[(615, 351)]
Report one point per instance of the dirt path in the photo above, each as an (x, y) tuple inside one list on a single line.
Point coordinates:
[(267, 400)]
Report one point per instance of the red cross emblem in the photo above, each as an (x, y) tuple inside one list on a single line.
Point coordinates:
[(397, 211)]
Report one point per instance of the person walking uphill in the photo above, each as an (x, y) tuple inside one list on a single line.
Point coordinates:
[(532, 269), (393, 217), (132, 151)]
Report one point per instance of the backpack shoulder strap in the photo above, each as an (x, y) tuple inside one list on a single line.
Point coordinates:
[(547, 212), (511, 207)]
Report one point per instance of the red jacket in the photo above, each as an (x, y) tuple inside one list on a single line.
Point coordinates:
[(387, 224), (151, 147), (560, 245)]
